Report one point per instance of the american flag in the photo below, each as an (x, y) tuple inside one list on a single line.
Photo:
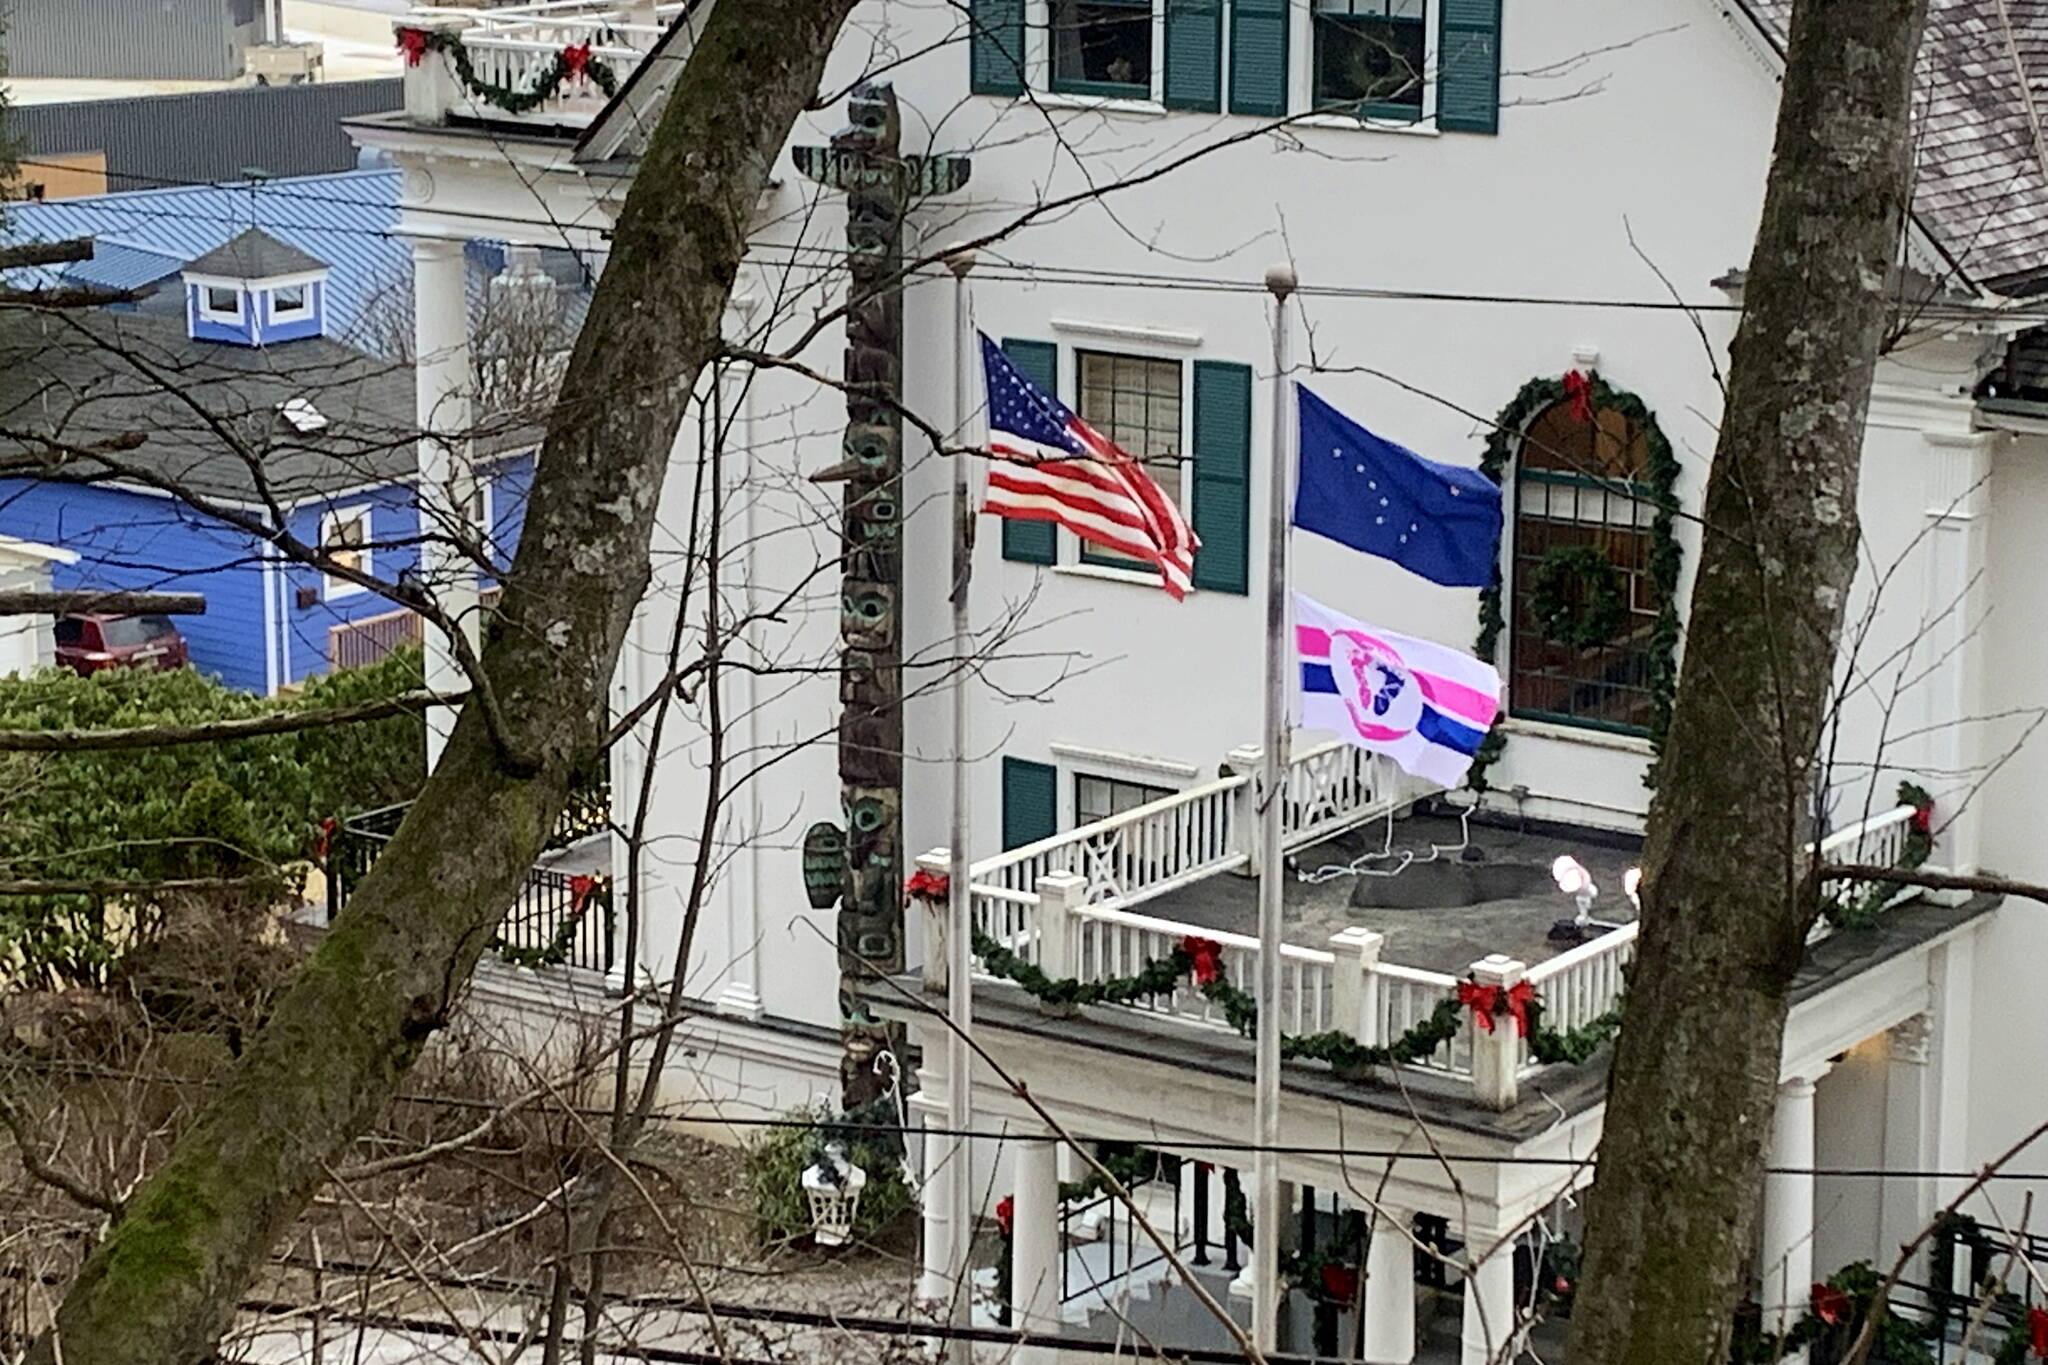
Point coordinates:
[(1052, 466)]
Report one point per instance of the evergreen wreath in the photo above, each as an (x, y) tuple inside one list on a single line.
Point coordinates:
[(1660, 473), (1854, 907), (1578, 597), (585, 894), (571, 62)]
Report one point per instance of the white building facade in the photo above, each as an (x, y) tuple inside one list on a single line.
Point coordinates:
[(1530, 207)]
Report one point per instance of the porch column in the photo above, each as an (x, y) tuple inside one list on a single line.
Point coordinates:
[(1957, 469), (1489, 1297), (447, 484), (935, 1278), (1786, 1265), (1389, 1291), (1035, 1245)]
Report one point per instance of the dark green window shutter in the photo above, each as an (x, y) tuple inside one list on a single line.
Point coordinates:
[(1258, 57), (995, 47), (1223, 474), (1033, 542), (1031, 808), (1194, 55), (1468, 66)]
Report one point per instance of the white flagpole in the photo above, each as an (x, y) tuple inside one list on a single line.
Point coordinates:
[(960, 907), (1268, 1218)]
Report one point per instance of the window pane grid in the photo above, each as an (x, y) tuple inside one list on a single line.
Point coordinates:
[(1098, 798), (1369, 55), (1102, 47), (1135, 401), (1573, 488)]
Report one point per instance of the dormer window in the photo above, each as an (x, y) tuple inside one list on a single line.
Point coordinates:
[(287, 300), (224, 304), (256, 291)]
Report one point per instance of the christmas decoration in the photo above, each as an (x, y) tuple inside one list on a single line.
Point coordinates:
[(1852, 905), (932, 887), (2037, 1332), (1830, 1305), (1573, 1046), (1578, 597), (323, 840), (585, 893), (1006, 1215), (1487, 1001), (1205, 956), (1578, 390), (1661, 474), (571, 63)]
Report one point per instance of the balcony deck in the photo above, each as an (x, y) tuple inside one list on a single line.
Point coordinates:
[(1451, 902)]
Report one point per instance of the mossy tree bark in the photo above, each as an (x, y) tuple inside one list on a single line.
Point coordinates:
[(164, 1285), (1727, 897)]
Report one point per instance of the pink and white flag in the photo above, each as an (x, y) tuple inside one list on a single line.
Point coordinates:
[(1424, 705)]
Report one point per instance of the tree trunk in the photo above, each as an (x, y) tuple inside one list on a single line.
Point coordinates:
[(164, 1285), (1726, 897)]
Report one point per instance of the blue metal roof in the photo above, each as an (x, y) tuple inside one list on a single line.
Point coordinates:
[(347, 220), (117, 265)]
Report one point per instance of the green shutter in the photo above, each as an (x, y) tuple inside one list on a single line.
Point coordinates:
[(1258, 57), (995, 47), (1194, 55), (1223, 472), (1033, 542), (1468, 66), (1030, 802)]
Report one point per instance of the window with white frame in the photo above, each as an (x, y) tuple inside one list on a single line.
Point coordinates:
[(287, 299), (345, 541), (1368, 56), (1098, 798), (1135, 401), (1101, 47), (221, 301)]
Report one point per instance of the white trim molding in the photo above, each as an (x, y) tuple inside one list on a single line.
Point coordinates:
[(1135, 332), (331, 587), (1147, 764)]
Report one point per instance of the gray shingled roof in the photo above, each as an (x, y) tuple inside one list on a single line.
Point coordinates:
[(111, 377), (1980, 191), (255, 255)]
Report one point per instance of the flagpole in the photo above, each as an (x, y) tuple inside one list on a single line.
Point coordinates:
[(1268, 1216), (960, 907)]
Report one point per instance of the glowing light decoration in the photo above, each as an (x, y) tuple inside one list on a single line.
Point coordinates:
[(1631, 883)]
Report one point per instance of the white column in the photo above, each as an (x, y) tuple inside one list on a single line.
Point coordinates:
[(1035, 1245), (1389, 1291), (1786, 1265), (446, 481), (1951, 647), (1906, 1200), (741, 996), (934, 1280), (1489, 1298)]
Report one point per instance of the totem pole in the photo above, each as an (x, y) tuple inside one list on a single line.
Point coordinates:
[(860, 867)]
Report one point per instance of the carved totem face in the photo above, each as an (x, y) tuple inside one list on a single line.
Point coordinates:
[(867, 616), (869, 921), (872, 121)]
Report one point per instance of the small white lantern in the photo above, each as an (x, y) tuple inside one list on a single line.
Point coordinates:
[(1631, 882), (833, 1188), (1575, 881)]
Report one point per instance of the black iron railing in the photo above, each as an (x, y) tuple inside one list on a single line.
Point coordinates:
[(1120, 1230), (559, 918)]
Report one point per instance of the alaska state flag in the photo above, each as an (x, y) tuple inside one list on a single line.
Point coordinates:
[(1424, 705), (1438, 520)]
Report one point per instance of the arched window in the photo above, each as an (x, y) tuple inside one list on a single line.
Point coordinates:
[(1585, 604)]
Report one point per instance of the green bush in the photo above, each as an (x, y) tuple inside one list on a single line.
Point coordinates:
[(775, 1167), (238, 809)]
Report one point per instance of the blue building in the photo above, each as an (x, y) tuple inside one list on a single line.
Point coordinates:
[(225, 383)]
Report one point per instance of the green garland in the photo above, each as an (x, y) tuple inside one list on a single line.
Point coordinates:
[(1577, 597), (513, 101), (1662, 477), (1852, 908), (556, 950), (1572, 1046), (1161, 976)]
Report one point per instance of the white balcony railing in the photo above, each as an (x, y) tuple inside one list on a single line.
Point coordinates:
[(515, 47), (1064, 905)]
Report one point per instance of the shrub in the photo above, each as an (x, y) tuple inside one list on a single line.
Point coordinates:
[(775, 1167)]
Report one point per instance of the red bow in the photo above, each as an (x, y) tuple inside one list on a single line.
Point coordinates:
[(580, 889), (324, 840), (1579, 389), (1205, 958), (1487, 1001), (576, 59), (1006, 1214), (1830, 1305), (1923, 818), (2037, 1331), (413, 43), (928, 886)]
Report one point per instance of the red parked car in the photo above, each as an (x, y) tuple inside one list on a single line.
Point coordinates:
[(86, 644)]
